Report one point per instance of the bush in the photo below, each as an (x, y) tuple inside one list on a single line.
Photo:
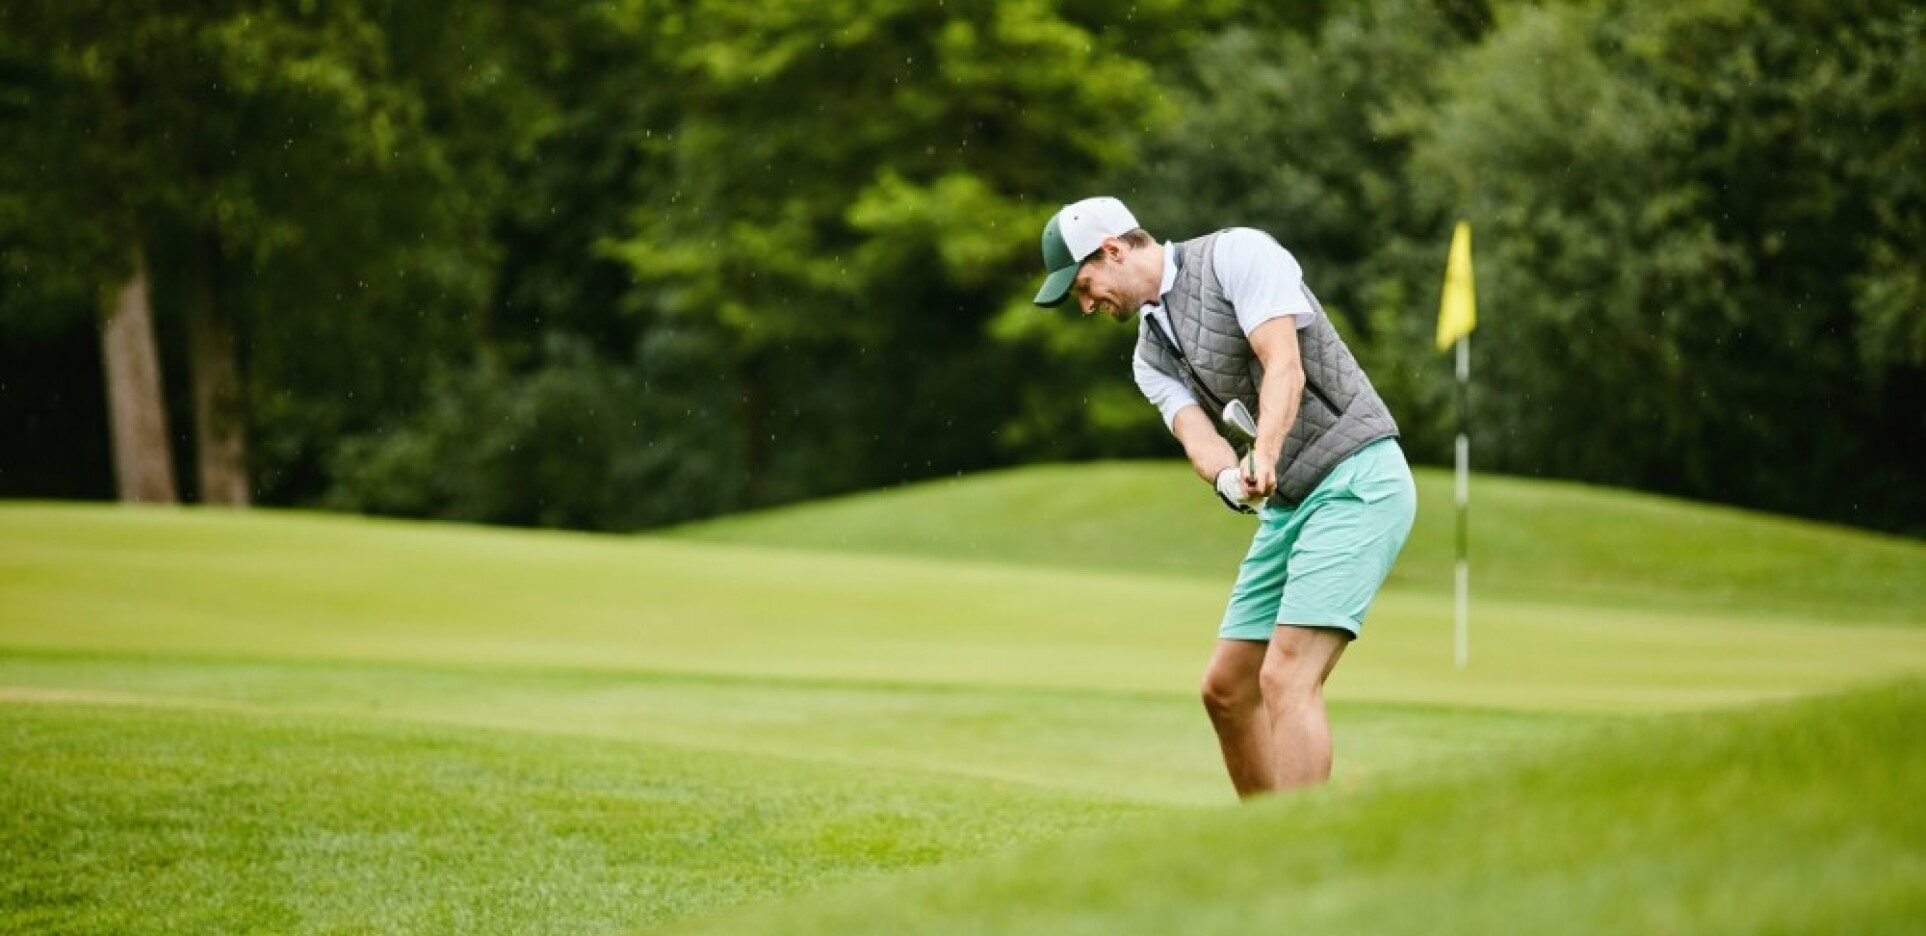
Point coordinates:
[(576, 442)]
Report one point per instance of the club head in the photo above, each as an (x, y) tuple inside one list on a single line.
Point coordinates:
[(1238, 417)]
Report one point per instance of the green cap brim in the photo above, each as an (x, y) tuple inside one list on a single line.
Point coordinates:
[(1056, 286)]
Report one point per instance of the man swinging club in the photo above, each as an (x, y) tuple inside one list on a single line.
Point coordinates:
[(1226, 320)]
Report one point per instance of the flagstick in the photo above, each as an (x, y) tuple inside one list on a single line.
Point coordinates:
[(1464, 502)]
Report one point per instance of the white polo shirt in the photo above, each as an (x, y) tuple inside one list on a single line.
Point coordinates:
[(1262, 281)]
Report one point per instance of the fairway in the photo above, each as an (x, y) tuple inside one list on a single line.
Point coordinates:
[(301, 723)]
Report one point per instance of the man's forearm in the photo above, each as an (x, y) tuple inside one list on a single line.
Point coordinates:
[(1206, 449), (1277, 401)]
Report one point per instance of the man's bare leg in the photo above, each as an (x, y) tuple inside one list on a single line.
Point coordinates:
[(1295, 667), (1236, 705)]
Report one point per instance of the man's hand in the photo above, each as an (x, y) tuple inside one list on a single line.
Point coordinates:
[(1258, 475), (1231, 489)]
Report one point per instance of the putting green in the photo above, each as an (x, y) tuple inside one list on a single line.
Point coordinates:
[(272, 586)]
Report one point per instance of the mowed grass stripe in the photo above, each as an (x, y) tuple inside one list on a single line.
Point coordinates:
[(123, 819), (1800, 818), (1141, 748), (277, 586), (281, 585)]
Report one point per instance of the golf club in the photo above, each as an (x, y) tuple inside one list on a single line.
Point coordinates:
[(1238, 417)]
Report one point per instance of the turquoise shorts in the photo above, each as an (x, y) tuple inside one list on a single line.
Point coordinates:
[(1321, 564)]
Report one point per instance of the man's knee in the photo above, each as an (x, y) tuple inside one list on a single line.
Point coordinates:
[(1298, 662), (1230, 683), (1225, 697)]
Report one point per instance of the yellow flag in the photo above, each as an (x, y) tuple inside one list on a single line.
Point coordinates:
[(1458, 314)]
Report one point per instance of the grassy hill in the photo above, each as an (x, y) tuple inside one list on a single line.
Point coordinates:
[(297, 723), (1531, 540)]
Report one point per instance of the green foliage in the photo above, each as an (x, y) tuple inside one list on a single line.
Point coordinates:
[(571, 443), (319, 177), (1517, 141), (857, 186), (807, 130), (1077, 399), (1674, 217), (293, 111)]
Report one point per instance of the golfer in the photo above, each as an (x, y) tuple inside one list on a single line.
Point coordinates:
[(1227, 317)]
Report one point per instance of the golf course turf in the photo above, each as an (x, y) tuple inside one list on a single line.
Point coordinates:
[(1800, 818), (958, 707)]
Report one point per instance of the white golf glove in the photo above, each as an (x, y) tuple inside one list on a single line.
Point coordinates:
[(1230, 489)]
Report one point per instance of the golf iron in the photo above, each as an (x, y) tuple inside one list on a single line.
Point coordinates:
[(1238, 417)]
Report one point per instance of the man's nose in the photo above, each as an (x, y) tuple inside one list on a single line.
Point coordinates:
[(1086, 303)]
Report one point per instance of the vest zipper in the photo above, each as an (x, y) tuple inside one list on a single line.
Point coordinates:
[(1321, 398)]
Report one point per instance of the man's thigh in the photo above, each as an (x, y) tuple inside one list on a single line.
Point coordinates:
[(1344, 552)]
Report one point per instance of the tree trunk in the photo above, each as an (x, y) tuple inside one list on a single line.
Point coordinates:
[(143, 458), (219, 431)]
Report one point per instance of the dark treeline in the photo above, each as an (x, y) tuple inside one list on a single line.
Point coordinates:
[(613, 265)]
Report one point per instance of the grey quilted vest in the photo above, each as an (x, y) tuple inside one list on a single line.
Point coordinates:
[(1340, 411)]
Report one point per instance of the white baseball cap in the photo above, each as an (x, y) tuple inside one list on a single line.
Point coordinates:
[(1072, 235)]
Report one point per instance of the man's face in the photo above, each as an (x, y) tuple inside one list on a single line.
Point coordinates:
[(1105, 284)]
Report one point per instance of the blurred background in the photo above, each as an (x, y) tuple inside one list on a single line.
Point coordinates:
[(618, 265)]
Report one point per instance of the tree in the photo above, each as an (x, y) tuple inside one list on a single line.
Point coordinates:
[(840, 189), (1686, 217), (74, 144), (276, 173)]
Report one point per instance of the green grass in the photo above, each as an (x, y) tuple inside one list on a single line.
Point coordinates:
[(1796, 819), (151, 819), (1531, 540), (273, 722), (1110, 747), (327, 588)]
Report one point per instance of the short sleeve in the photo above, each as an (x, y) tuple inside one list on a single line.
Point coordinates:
[(1260, 278)]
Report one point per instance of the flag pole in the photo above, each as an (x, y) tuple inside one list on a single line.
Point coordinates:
[(1463, 601), (1457, 317)]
